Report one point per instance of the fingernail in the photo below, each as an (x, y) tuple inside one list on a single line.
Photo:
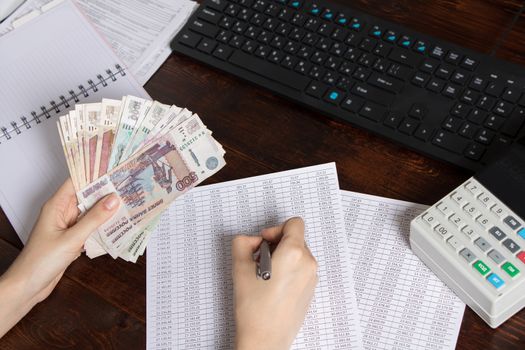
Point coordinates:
[(111, 202)]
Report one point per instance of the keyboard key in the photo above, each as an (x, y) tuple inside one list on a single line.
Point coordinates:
[(477, 116), (510, 269), (486, 103), (417, 111), (483, 221), (473, 188), (276, 73), (399, 71), (467, 255), (361, 73), (450, 142), (393, 120), (444, 72), (420, 79), (372, 112), (512, 246), (218, 5), (469, 63), (455, 243), (429, 66), (478, 83), (511, 95), (482, 244), (316, 89), (373, 94), (484, 136), (404, 57), (424, 132), (452, 124), (189, 39), (436, 85), (405, 41), (459, 77), (475, 151), (494, 122), (495, 280), (470, 97), (408, 126), (262, 51), (420, 47), (330, 78), (451, 90), (352, 104), (385, 83), (209, 15), (481, 267), (453, 57), (486, 199), (514, 123), (334, 96), (445, 209), (467, 130), (375, 32), (497, 233), (495, 88), (460, 110), (503, 108), (437, 52), (496, 256), (206, 45), (512, 222), (222, 52), (203, 28)]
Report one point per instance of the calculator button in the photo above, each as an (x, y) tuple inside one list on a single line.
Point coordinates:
[(510, 269), (473, 188), (471, 210), (467, 230), (513, 223), (511, 245), (496, 256), (495, 280), (454, 242), (498, 210), (497, 233), (481, 267), (457, 220), (430, 219), (521, 233), (521, 256), (485, 199), (483, 221), (467, 255), (458, 198), (482, 244), (442, 230), (445, 209)]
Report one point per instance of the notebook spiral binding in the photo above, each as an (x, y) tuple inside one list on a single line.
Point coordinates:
[(63, 102)]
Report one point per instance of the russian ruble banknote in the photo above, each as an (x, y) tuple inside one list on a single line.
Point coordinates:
[(146, 152)]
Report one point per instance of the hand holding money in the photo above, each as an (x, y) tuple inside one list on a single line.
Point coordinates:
[(147, 153)]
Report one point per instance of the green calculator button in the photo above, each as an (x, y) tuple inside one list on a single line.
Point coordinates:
[(510, 269), (481, 267)]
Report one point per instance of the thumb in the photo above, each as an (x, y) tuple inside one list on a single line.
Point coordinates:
[(243, 248), (96, 216)]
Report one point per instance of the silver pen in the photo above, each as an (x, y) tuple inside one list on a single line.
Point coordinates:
[(264, 269)]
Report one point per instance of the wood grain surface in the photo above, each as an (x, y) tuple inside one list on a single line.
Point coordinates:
[(101, 303)]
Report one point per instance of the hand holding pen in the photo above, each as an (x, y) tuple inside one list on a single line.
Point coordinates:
[(269, 313)]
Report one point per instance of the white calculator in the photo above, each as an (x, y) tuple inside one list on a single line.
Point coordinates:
[(474, 239)]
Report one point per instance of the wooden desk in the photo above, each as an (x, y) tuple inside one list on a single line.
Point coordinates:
[(101, 303)]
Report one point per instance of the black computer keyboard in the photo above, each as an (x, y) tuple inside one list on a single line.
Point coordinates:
[(435, 97)]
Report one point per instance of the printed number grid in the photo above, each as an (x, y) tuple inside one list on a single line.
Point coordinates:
[(403, 305), (189, 260)]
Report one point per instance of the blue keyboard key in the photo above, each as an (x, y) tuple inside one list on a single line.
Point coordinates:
[(495, 280), (521, 232)]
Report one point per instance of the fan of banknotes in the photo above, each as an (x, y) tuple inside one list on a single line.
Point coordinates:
[(147, 152)]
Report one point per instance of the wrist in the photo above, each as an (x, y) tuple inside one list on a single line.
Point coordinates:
[(14, 304)]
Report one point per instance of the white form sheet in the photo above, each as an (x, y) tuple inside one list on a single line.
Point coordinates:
[(139, 31), (403, 305), (189, 287)]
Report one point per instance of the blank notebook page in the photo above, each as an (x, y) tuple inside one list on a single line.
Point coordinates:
[(50, 61)]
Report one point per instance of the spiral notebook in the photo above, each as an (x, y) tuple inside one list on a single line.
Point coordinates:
[(46, 66)]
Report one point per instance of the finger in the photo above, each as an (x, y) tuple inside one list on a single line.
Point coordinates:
[(65, 191), (96, 216), (243, 248), (292, 233)]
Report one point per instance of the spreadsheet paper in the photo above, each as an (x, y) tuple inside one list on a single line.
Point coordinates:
[(403, 305), (189, 286)]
